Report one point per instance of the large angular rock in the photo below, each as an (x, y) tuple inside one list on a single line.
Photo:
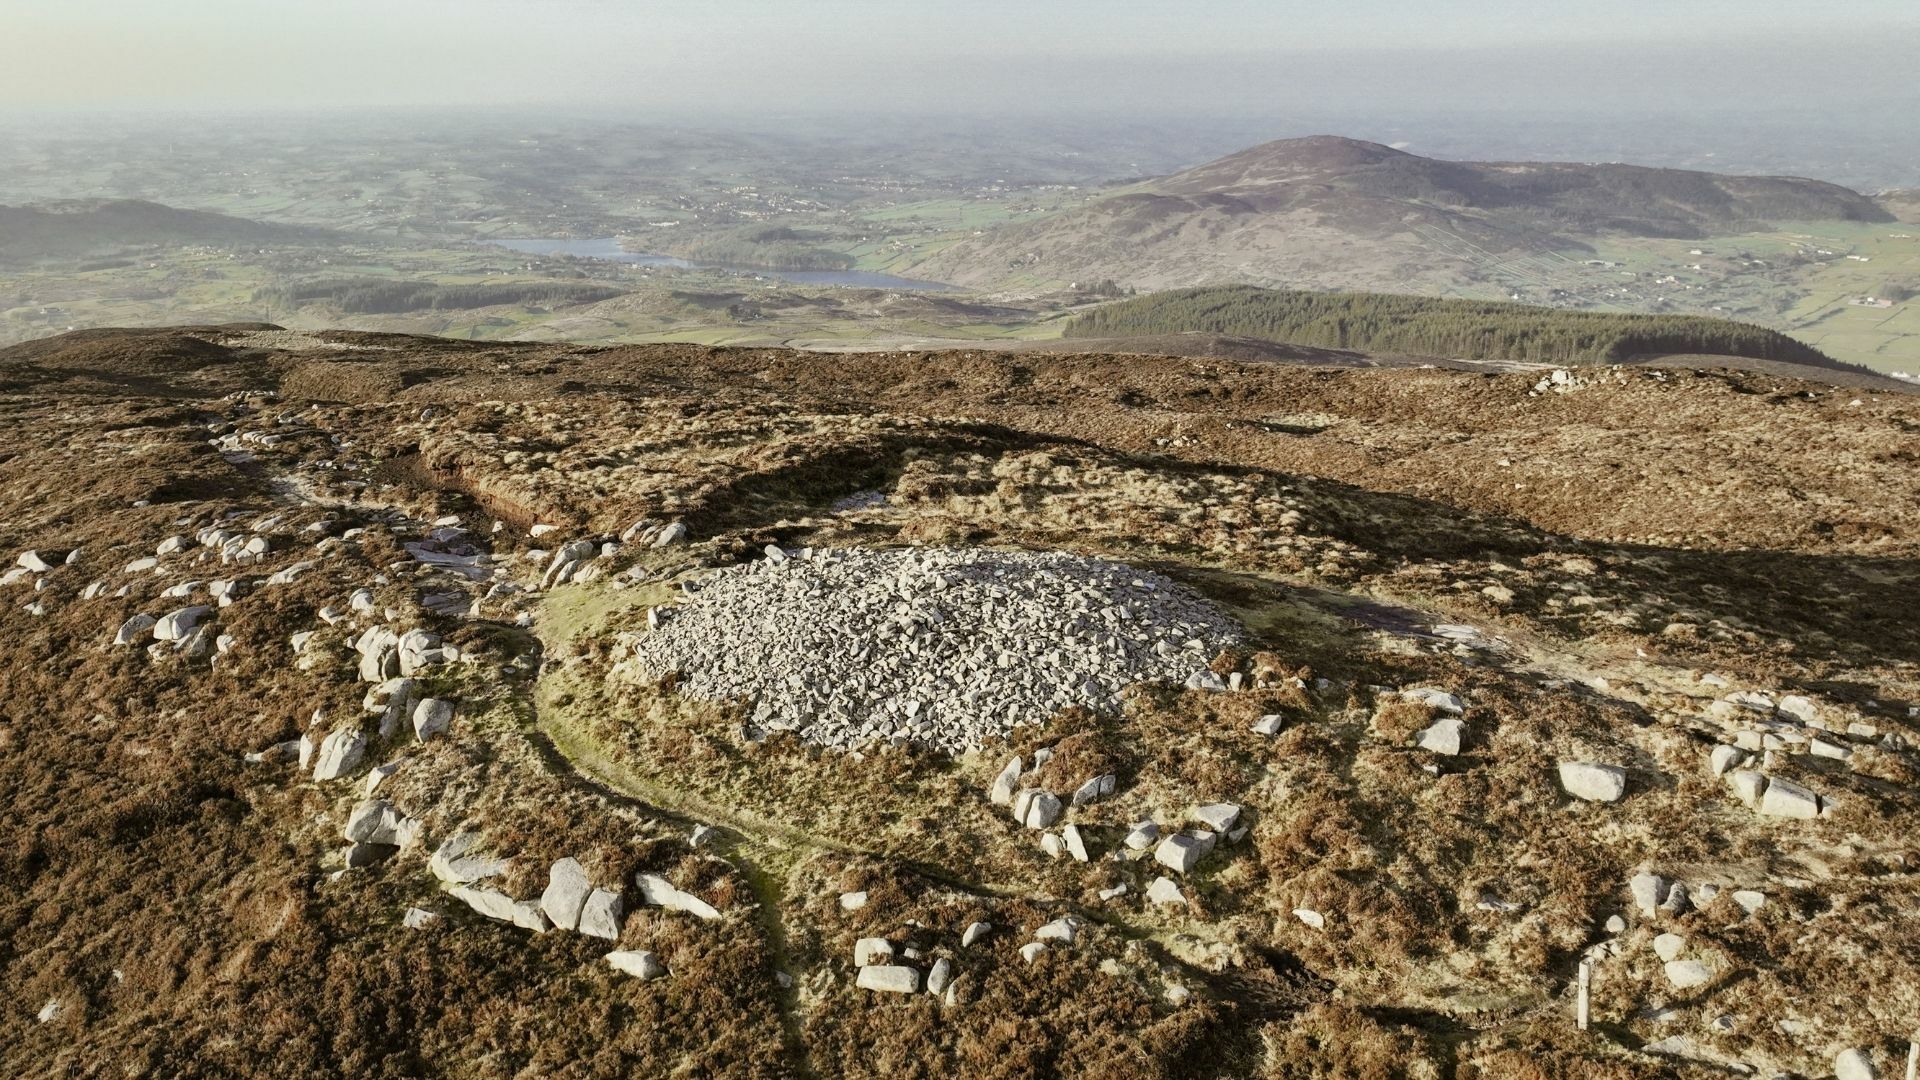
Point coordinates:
[(431, 717), (566, 893), (1783, 798), (600, 915), (1593, 782), (178, 624), (1180, 852), (377, 821), (638, 963), (660, 892), (339, 754), (37, 562), (892, 979), (1725, 758), (675, 533), (1042, 810), (1749, 786), (1076, 844), (1220, 817)]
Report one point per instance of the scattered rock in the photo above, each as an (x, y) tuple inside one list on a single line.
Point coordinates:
[(420, 919), (871, 950), (939, 975), (1437, 699), (1142, 835), (600, 915), (1310, 917), (973, 933), (1669, 946), (1593, 782), (1164, 891), (853, 901), (1855, 1064), (1748, 785), (377, 821), (1649, 892), (1095, 789), (638, 963), (1687, 974), (1180, 852), (1063, 930), (1042, 809), (497, 905)]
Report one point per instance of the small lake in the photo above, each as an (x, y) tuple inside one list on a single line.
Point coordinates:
[(608, 248)]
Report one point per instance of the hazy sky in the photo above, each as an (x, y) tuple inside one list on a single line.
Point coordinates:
[(954, 55)]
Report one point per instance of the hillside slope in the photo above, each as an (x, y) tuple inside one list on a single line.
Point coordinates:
[(83, 228), (1329, 212), (337, 742), (1466, 329)]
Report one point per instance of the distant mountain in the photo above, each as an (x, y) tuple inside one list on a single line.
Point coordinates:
[(86, 228), (1331, 212)]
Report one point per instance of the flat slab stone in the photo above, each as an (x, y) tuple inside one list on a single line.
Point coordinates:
[(458, 861), (892, 979), (660, 892)]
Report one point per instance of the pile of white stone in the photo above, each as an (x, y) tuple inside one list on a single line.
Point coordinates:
[(942, 647)]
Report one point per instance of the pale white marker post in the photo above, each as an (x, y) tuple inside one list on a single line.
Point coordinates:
[(1913, 1059), (1585, 993)]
